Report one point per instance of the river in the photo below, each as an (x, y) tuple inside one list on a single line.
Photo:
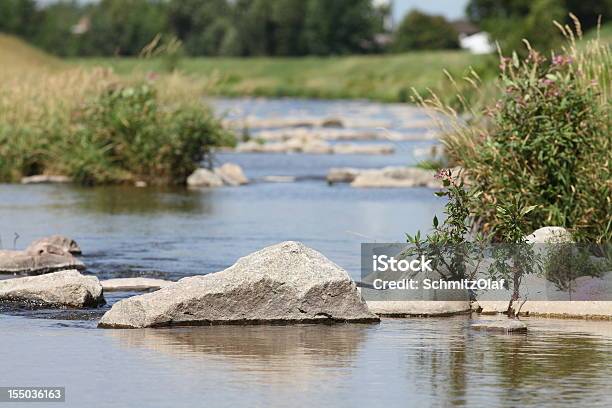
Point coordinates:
[(172, 233)]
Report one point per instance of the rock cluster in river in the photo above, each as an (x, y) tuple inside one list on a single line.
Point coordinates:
[(229, 174), (315, 146), (283, 283), (389, 177)]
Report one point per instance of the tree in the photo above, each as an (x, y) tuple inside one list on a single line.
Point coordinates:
[(419, 31), (201, 25), (509, 22), (339, 26), (54, 31), (289, 18), (504, 18), (124, 27), (18, 17)]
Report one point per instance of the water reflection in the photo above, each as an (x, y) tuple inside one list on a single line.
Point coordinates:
[(578, 365), (130, 200), (278, 354)]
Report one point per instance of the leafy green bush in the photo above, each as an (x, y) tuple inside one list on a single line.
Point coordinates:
[(125, 135), (420, 31), (545, 143), (93, 127)]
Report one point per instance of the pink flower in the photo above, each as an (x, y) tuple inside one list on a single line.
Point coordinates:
[(562, 60), (152, 76), (443, 174), (546, 82)]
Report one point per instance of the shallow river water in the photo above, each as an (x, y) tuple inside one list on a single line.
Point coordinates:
[(171, 233)]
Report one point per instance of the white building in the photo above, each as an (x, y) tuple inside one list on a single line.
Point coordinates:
[(478, 43)]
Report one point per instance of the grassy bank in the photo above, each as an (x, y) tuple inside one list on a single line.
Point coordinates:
[(377, 77), (95, 126)]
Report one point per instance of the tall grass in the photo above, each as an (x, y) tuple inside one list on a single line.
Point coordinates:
[(97, 127), (544, 142)]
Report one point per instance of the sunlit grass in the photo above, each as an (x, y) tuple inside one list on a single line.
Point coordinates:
[(377, 77)]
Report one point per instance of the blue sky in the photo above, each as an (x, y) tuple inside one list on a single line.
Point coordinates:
[(451, 9)]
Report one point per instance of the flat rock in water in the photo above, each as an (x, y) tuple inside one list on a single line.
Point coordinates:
[(133, 284), (58, 289), (283, 283), (504, 326), (46, 259), (46, 179), (396, 177), (66, 244), (349, 148), (342, 174), (403, 308)]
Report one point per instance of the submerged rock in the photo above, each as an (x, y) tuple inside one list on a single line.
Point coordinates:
[(46, 179), (283, 283), (350, 148), (316, 147), (396, 177), (133, 284), (430, 308), (66, 244), (204, 178), (577, 309), (65, 288), (342, 174), (504, 326), (231, 174), (40, 259), (280, 179)]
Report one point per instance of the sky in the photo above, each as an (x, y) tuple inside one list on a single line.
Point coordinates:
[(451, 9)]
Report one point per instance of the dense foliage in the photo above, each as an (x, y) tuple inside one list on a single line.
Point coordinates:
[(206, 27), (124, 134), (509, 21), (96, 128), (545, 143), (420, 31)]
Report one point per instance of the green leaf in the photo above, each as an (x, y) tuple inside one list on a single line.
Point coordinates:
[(529, 209), (435, 221)]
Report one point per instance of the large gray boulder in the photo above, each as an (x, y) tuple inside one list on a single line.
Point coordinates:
[(43, 258), (66, 244), (58, 289), (283, 283)]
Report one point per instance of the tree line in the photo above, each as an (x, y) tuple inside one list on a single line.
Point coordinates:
[(277, 27)]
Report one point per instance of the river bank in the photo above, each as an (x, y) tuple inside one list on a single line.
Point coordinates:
[(386, 78)]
